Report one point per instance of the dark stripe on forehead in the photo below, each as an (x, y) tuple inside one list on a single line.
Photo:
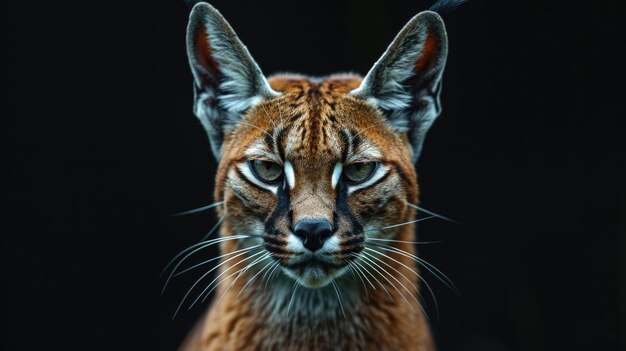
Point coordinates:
[(269, 139), (347, 149), (280, 146), (357, 140), (295, 117)]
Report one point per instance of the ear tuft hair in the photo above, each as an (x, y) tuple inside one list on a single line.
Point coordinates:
[(444, 7)]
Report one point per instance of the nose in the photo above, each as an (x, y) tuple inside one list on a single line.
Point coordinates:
[(313, 232)]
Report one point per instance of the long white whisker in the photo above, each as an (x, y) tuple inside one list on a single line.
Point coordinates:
[(332, 281), (215, 258), (199, 209), (365, 256), (207, 273), (239, 274), (401, 284), (442, 277), (432, 213), (270, 272), (358, 269), (254, 276), (432, 293), (187, 250), (273, 275), (198, 246), (217, 224), (405, 241), (356, 274), (223, 280), (376, 279), (293, 293), (399, 224)]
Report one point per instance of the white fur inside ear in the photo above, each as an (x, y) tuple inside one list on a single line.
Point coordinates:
[(405, 83), (227, 89)]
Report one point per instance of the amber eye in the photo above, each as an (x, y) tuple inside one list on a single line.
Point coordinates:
[(266, 171), (359, 172)]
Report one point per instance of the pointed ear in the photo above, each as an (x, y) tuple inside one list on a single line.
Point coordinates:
[(406, 81), (227, 79)]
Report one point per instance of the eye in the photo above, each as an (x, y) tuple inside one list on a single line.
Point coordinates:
[(359, 172), (265, 170)]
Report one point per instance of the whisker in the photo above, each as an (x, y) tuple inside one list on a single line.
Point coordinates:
[(254, 276), (270, 271), (215, 258), (403, 286), (427, 265), (198, 246), (273, 275), (376, 279), (223, 280), (405, 241), (207, 242), (432, 293), (365, 256), (217, 224), (432, 213), (399, 224), (332, 281), (204, 275), (199, 209), (361, 276), (239, 274), (293, 293), (356, 274)]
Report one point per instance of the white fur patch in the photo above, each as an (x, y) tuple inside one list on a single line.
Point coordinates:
[(331, 245), (247, 172), (289, 174), (294, 244), (379, 173), (336, 174)]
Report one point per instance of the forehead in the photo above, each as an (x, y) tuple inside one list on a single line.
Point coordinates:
[(315, 119)]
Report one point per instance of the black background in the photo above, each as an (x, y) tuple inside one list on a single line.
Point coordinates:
[(99, 147)]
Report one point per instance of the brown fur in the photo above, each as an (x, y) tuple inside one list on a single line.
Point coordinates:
[(314, 112)]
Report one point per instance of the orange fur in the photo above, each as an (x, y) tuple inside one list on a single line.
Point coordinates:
[(314, 112)]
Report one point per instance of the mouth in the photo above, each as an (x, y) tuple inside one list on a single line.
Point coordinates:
[(314, 272)]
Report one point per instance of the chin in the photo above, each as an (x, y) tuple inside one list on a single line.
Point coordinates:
[(314, 275)]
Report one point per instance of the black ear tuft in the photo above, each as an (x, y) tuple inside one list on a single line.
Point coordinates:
[(444, 7)]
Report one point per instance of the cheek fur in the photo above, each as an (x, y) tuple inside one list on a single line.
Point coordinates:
[(384, 203)]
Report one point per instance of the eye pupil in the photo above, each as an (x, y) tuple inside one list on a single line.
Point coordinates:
[(266, 171)]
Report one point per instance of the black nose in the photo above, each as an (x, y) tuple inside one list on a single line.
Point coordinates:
[(313, 232)]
